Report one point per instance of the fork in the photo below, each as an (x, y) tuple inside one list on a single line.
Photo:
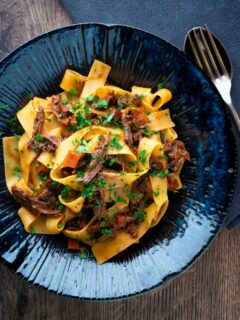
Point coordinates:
[(217, 66)]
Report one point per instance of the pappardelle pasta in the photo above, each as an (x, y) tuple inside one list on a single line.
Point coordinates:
[(95, 162)]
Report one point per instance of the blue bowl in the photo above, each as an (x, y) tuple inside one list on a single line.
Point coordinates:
[(194, 215)]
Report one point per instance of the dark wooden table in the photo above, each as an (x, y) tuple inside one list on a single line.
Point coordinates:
[(209, 290)]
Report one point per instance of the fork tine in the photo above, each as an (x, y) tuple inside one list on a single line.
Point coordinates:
[(216, 51), (210, 54), (203, 55), (194, 50)]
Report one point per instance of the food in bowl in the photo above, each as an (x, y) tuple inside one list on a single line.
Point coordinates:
[(95, 162)]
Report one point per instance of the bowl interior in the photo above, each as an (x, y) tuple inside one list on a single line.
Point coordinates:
[(195, 213)]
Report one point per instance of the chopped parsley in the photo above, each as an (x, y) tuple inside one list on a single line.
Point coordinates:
[(115, 144), (82, 121), (160, 174), (43, 176), (80, 174), (59, 205), (139, 214), (61, 225), (102, 104), (88, 190), (73, 91), (83, 255), (86, 109), (92, 99), (149, 132), (163, 136), (83, 146), (5, 106), (165, 157), (38, 137), (111, 162), (135, 196), (65, 101), (156, 193), (160, 86), (33, 231), (106, 232), (17, 171), (109, 118), (65, 192), (31, 95), (101, 183), (143, 156), (119, 199), (139, 96), (132, 163)]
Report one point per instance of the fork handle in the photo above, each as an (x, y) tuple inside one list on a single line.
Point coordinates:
[(235, 116), (233, 217)]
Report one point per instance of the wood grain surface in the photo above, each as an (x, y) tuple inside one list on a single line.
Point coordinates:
[(209, 290)]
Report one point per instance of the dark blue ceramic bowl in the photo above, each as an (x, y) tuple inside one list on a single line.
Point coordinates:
[(195, 214)]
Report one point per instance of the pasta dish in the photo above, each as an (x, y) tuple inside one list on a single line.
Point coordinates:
[(95, 162)]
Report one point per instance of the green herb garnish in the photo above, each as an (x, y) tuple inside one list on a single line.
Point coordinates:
[(115, 144), (143, 156), (31, 95), (149, 132), (65, 192), (73, 91), (119, 199), (139, 214), (38, 137), (88, 190), (132, 163), (82, 255), (139, 96), (160, 174), (5, 106), (106, 232), (163, 136), (160, 86), (59, 205), (82, 121), (65, 101), (80, 174), (17, 171), (102, 104), (86, 109)]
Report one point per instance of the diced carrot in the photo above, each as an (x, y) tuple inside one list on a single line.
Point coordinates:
[(92, 228), (65, 122), (121, 219), (82, 223), (72, 159), (73, 245), (42, 169)]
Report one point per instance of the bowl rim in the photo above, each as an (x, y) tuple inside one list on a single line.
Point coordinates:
[(204, 248)]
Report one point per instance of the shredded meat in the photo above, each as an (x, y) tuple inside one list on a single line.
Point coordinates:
[(53, 185), (172, 183), (36, 204), (137, 136), (132, 229), (67, 171), (44, 143), (38, 121), (96, 163), (127, 130), (61, 110), (137, 119), (117, 113), (176, 152), (101, 208)]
